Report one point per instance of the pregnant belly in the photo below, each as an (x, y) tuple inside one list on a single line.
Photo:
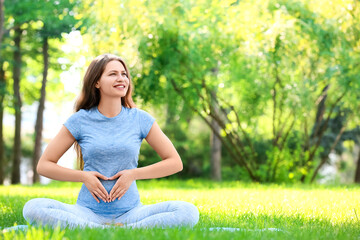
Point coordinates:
[(108, 185), (129, 200)]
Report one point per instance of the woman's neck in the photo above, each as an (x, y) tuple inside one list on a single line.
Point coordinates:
[(110, 107)]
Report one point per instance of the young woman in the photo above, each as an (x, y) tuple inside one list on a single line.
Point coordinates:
[(107, 130)]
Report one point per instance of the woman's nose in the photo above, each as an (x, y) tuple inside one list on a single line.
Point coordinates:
[(120, 77)]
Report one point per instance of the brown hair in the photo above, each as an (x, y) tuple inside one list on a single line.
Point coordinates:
[(90, 95)]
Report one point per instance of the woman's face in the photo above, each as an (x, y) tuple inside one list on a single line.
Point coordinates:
[(114, 81)]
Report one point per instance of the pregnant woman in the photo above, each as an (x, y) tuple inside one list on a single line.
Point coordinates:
[(107, 130)]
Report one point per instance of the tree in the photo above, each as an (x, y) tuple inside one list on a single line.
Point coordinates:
[(175, 59), (19, 11), (283, 73), (15, 176), (215, 157), (285, 90), (57, 18)]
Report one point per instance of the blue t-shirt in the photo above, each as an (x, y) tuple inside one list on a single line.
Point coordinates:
[(108, 146)]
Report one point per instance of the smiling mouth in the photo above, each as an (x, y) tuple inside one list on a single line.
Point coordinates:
[(120, 86)]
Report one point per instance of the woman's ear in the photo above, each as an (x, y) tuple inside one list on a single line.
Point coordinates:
[(97, 85)]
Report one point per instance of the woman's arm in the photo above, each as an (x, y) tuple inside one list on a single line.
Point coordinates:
[(48, 167), (171, 162)]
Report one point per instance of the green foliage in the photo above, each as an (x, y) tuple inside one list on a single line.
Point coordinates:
[(39, 20), (264, 63)]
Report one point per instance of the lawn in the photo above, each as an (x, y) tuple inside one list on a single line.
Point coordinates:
[(260, 211)]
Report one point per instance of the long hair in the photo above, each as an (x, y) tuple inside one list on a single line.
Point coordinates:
[(90, 95)]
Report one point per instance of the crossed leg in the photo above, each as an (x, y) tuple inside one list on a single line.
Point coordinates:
[(45, 211), (163, 214)]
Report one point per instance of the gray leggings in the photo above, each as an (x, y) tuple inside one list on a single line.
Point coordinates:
[(44, 211)]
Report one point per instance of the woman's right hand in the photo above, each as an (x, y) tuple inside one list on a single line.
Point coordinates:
[(93, 184)]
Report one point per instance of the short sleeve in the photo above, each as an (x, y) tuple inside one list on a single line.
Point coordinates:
[(146, 121), (73, 124)]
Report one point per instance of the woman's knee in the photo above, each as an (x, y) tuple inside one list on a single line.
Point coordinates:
[(190, 213), (32, 207)]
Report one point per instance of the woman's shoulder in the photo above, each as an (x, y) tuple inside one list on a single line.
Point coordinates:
[(143, 115), (139, 111), (81, 113)]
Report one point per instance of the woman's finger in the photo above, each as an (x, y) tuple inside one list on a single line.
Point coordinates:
[(95, 197), (114, 189), (99, 175), (103, 191), (118, 194), (121, 195), (112, 197), (115, 176), (100, 186), (115, 194), (104, 196), (99, 195)]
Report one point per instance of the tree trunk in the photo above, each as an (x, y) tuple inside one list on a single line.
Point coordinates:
[(231, 141), (15, 176), (357, 173), (215, 153), (40, 113), (323, 160), (215, 159), (319, 121)]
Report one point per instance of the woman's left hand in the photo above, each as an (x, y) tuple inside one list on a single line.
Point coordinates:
[(126, 177)]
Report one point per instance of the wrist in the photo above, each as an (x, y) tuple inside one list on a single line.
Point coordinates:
[(134, 173), (82, 176)]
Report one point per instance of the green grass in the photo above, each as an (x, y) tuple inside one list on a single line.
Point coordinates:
[(300, 211)]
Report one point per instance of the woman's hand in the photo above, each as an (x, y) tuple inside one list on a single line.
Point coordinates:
[(126, 177), (93, 184)]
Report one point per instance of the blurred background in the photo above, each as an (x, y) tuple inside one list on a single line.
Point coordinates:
[(261, 91)]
